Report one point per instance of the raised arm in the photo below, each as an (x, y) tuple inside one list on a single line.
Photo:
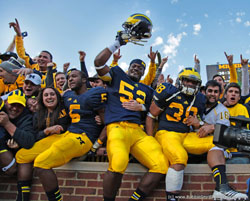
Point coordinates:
[(82, 56), (149, 78), (232, 69), (158, 72), (105, 54), (116, 57), (19, 44), (197, 63), (49, 80), (12, 45), (245, 76)]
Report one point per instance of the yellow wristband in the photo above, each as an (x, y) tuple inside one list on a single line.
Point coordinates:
[(99, 141)]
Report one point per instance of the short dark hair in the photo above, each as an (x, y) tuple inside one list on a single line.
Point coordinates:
[(51, 57), (233, 84), (218, 75), (202, 88), (83, 75), (212, 83)]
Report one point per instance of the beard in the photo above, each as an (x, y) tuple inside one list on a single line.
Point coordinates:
[(76, 87), (209, 103)]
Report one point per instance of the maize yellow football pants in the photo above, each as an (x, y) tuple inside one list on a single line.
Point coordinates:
[(125, 138), (55, 150)]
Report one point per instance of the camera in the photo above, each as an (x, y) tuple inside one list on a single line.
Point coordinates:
[(237, 136)]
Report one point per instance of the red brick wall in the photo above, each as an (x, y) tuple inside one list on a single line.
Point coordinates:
[(82, 185)]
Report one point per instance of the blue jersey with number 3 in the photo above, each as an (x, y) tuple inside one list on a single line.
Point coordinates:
[(82, 110), (177, 109), (122, 89)]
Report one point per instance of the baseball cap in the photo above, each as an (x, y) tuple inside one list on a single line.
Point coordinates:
[(17, 96), (34, 78), (93, 78), (5, 56), (11, 64), (138, 61)]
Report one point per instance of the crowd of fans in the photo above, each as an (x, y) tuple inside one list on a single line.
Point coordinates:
[(49, 117)]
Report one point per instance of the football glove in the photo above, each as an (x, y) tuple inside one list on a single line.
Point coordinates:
[(122, 37)]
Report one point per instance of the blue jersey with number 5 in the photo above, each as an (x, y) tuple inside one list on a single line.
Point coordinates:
[(177, 109), (122, 89), (82, 110)]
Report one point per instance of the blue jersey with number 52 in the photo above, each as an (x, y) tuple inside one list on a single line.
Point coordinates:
[(122, 89)]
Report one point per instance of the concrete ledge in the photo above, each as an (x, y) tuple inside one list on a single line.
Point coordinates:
[(137, 168)]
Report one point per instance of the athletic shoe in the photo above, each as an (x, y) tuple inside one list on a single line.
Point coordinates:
[(225, 192)]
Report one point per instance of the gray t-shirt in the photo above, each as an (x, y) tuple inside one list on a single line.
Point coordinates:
[(218, 115)]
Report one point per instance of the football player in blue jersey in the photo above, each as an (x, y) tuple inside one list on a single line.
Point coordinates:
[(58, 149), (173, 106), (179, 108), (124, 132)]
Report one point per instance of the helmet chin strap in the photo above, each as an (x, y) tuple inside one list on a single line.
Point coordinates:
[(189, 108)]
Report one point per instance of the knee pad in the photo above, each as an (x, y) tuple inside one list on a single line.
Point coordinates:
[(4, 169), (174, 180)]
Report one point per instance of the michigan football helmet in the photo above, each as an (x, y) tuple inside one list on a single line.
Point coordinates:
[(137, 27), (190, 74)]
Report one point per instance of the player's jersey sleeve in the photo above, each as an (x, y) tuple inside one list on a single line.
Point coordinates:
[(201, 104), (97, 98), (108, 77), (163, 92)]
